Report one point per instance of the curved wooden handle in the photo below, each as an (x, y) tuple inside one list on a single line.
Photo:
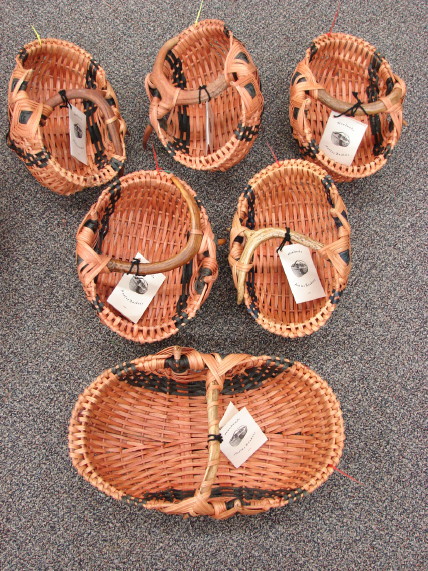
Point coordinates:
[(185, 97), (96, 97), (187, 253), (257, 237), (370, 108)]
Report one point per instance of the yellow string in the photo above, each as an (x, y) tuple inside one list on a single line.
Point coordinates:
[(37, 35), (199, 11)]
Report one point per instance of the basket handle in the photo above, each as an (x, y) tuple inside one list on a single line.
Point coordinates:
[(96, 97), (373, 108), (257, 237), (185, 96)]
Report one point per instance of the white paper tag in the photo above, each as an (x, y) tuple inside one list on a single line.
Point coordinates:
[(77, 127), (209, 120), (301, 273), (342, 137), (242, 436), (133, 294), (229, 413)]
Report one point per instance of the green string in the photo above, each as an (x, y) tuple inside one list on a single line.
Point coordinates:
[(37, 35), (199, 11)]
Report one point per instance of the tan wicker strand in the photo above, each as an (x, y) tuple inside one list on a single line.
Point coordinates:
[(302, 197), (205, 63), (334, 68), (156, 214), (43, 141), (139, 432)]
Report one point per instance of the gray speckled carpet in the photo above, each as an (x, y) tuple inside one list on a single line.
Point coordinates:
[(372, 350)]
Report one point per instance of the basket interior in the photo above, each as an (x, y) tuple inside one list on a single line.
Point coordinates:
[(342, 67), (57, 67), (198, 60), (150, 217), (295, 198), (147, 437)]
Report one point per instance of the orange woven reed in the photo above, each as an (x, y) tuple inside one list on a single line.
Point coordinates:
[(300, 196), (340, 64), (42, 141), (139, 432), (204, 53), (144, 212)]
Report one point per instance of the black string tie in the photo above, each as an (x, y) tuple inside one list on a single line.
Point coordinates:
[(286, 240), (65, 101), (204, 88), (135, 262), (213, 437), (352, 110)]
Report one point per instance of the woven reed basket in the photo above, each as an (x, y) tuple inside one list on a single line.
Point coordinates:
[(39, 125), (205, 63), (335, 68), (142, 432), (158, 215), (298, 200)]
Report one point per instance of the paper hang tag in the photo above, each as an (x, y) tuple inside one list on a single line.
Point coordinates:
[(301, 273), (342, 137), (133, 294), (209, 125), (77, 128), (242, 436), (228, 414)]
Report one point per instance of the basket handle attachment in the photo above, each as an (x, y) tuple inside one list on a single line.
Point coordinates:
[(96, 97), (256, 237), (373, 108)]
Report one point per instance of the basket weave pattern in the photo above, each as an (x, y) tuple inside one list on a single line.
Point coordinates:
[(139, 432), (143, 212), (42, 141), (204, 52), (301, 196), (342, 64)]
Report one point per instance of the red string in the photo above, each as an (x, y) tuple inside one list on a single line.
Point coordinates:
[(345, 474), (158, 168), (273, 153), (335, 18)]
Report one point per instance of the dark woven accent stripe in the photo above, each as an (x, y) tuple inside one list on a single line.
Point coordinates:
[(313, 51), (181, 318), (311, 150), (373, 95), (39, 160), (23, 54), (91, 74), (327, 183), (335, 296), (246, 133), (253, 308), (251, 198), (115, 191), (250, 379), (245, 495), (178, 77), (97, 304)]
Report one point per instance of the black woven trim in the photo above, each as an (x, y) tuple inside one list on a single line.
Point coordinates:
[(313, 51), (345, 255), (250, 196), (39, 160), (23, 54), (246, 133), (250, 379), (91, 74), (97, 304), (178, 145), (310, 150), (327, 183), (335, 296), (22, 87), (373, 95), (243, 494), (178, 77), (181, 318), (114, 191), (253, 308)]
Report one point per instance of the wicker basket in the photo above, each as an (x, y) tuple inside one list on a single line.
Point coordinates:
[(205, 63), (139, 432), (298, 200), (335, 68), (39, 125), (156, 214)]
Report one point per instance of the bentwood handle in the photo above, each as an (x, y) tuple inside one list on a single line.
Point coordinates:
[(185, 97), (96, 97), (370, 108), (187, 253), (257, 237)]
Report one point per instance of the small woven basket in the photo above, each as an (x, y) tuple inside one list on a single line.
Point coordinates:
[(296, 200), (39, 125), (144, 432), (158, 215), (335, 69), (205, 66)]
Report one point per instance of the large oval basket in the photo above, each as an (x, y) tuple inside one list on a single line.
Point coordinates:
[(145, 432), (338, 69), (205, 70), (39, 125), (157, 215), (295, 201)]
